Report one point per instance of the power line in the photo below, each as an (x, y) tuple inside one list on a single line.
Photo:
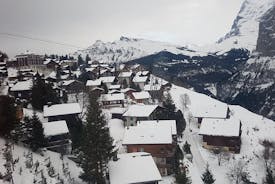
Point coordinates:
[(39, 39)]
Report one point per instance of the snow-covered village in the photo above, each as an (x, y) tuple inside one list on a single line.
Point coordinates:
[(141, 111)]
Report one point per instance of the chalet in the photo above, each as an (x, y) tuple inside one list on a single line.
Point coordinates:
[(117, 112), (156, 140), (58, 137), (125, 76), (73, 86), (210, 109), (22, 89), (141, 97), (140, 81), (169, 124), (128, 92), (91, 84), (155, 91), (97, 91), (224, 134), (108, 80), (51, 63), (139, 112), (135, 168), (112, 100), (66, 111)]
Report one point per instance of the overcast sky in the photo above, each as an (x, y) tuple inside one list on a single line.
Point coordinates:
[(81, 22)]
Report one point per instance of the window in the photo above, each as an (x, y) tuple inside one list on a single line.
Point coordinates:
[(141, 149)]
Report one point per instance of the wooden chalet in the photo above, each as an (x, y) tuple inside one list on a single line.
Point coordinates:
[(221, 134)]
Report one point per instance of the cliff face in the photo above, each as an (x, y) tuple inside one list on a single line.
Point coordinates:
[(266, 37)]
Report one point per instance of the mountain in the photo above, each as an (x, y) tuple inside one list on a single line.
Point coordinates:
[(126, 49), (238, 69), (246, 26)]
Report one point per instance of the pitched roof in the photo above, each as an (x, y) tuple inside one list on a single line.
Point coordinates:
[(61, 109), (125, 74), (96, 82), (209, 109), (22, 86), (136, 167), (169, 124), (55, 128), (140, 79), (108, 79), (112, 97), (147, 135), (141, 95), (140, 110), (220, 127)]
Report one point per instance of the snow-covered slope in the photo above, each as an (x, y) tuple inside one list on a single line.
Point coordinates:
[(255, 129), (245, 29), (126, 49)]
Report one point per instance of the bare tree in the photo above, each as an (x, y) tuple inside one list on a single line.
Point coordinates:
[(238, 173)]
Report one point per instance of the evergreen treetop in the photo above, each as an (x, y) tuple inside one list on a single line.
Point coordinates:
[(207, 177)]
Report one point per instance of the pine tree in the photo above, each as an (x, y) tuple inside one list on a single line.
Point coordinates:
[(96, 146), (182, 178), (42, 93), (269, 179), (8, 119), (207, 176), (186, 148), (80, 60), (37, 139), (87, 59), (64, 96)]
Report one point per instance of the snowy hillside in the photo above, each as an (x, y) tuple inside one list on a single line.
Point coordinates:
[(126, 49), (245, 29), (255, 129)]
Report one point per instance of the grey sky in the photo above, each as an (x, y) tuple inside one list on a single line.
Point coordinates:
[(81, 22)]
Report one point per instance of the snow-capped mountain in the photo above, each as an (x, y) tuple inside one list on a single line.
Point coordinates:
[(245, 29), (126, 49)]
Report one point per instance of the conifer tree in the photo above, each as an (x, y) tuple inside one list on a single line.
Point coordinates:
[(8, 119), (207, 177), (80, 60), (42, 93), (97, 145), (269, 179), (182, 178), (37, 138)]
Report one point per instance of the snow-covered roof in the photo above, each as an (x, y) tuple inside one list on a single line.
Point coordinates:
[(169, 124), (149, 87), (12, 72), (113, 91), (132, 168), (140, 79), (61, 109), (108, 79), (116, 86), (140, 110), (127, 89), (220, 127), (117, 110), (125, 74), (22, 86), (147, 135), (55, 128), (96, 82), (112, 97), (141, 95), (90, 69), (209, 109)]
